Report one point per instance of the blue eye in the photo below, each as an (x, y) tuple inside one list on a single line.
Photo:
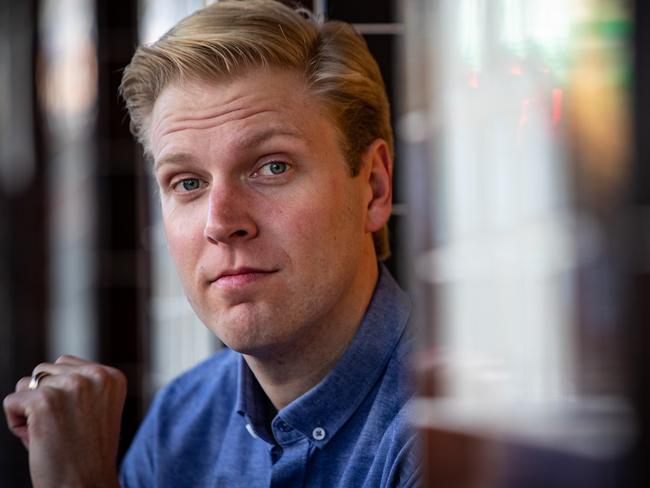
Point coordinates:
[(275, 167), (189, 184)]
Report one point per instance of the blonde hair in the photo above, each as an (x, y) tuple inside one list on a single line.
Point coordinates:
[(230, 37)]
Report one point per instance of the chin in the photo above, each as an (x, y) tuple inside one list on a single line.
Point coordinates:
[(258, 349), (244, 336), (255, 341), (254, 329)]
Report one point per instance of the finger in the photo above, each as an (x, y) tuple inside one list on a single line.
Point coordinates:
[(58, 368), (62, 365), (70, 377), (24, 382), (16, 415), (49, 368), (74, 381), (51, 371)]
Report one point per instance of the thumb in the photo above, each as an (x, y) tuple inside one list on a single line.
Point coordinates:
[(16, 415)]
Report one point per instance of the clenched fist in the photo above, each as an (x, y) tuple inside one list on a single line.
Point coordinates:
[(70, 422)]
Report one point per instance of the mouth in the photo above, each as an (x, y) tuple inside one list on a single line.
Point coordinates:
[(241, 276)]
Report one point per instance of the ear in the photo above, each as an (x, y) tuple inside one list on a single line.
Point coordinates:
[(378, 173)]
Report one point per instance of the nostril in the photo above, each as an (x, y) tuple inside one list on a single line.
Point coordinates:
[(240, 233)]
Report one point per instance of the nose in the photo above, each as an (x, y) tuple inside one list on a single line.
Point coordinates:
[(229, 219)]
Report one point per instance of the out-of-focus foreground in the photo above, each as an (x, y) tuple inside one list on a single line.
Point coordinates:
[(523, 143)]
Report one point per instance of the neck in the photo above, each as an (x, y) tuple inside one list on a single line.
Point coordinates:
[(291, 371)]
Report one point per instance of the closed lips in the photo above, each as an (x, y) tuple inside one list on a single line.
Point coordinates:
[(243, 271)]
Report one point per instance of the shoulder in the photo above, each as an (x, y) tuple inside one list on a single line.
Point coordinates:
[(387, 429), (219, 369), (210, 385), (401, 446), (395, 386), (399, 450), (387, 452)]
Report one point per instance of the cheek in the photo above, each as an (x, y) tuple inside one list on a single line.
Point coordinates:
[(308, 227), (184, 233), (319, 229)]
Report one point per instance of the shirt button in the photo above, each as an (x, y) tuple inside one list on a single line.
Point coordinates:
[(283, 426), (318, 433)]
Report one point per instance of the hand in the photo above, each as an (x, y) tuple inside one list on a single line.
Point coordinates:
[(70, 424)]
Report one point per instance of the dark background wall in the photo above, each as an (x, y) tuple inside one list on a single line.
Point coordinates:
[(23, 212)]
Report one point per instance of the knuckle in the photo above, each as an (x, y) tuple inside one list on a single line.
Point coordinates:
[(117, 375), (106, 375), (7, 401), (22, 383), (98, 373), (77, 381), (67, 358)]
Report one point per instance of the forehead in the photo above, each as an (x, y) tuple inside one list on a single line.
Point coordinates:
[(241, 107)]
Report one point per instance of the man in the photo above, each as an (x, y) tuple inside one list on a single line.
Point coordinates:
[(270, 141)]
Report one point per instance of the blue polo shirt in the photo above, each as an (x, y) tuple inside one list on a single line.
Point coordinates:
[(214, 426)]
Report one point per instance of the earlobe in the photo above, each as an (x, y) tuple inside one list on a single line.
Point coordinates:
[(379, 164)]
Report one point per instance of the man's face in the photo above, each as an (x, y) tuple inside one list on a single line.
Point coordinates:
[(266, 226)]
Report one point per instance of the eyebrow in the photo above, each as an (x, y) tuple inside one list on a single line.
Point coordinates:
[(261, 136), (247, 140), (175, 158)]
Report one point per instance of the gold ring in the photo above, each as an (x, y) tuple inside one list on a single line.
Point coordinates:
[(36, 378)]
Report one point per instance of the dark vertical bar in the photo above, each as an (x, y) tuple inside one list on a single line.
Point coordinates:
[(122, 263), (639, 244), (23, 223)]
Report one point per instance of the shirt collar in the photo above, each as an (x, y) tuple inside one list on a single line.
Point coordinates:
[(253, 404), (320, 413)]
